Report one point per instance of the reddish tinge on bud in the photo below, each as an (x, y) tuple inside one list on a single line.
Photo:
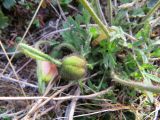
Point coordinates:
[(49, 71)]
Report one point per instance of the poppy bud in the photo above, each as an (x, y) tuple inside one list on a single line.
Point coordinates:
[(48, 71), (73, 67)]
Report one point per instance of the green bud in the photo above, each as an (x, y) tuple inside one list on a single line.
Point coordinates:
[(73, 68)]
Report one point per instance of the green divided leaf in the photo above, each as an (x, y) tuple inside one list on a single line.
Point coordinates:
[(108, 52), (77, 36), (84, 18)]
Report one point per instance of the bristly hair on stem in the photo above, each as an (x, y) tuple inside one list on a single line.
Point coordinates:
[(37, 54), (139, 85)]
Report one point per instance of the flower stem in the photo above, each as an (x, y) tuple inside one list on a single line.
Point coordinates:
[(65, 45), (37, 54), (139, 85), (95, 17)]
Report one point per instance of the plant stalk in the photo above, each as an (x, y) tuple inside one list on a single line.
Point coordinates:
[(139, 85), (37, 54), (95, 17), (65, 45)]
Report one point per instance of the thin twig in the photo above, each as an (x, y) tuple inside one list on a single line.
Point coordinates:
[(24, 65), (12, 114), (49, 109), (45, 112), (156, 113), (101, 111), (18, 81), (127, 5), (46, 101), (61, 11), (50, 34), (53, 7), (83, 26), (115, 3), (71, 107), (9, 53), (128, 20), (97, 112), (9, 61), (155, 22), (91, 76), (58, 98), (130, 36), (49, 87)]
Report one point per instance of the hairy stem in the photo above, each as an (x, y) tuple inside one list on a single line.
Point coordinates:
[(95, 17), (65, 45), (37, 54), (37, 44), (139, 85)]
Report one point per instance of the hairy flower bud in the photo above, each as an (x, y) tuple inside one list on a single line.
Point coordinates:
[(73, 68)]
